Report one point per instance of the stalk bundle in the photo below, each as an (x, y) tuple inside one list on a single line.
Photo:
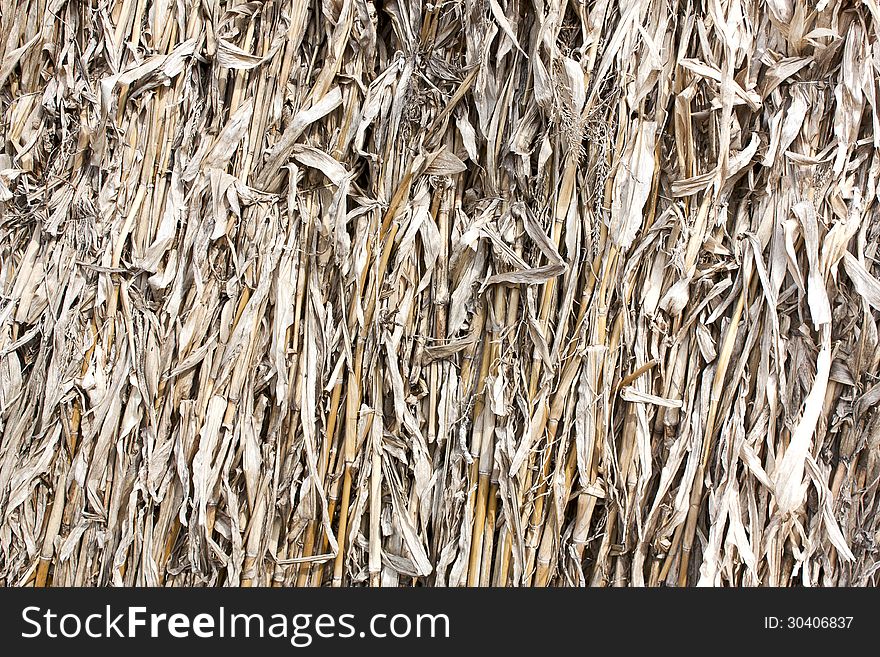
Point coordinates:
[(470, 292)]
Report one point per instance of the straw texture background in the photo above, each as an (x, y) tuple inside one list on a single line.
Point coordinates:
[(470, 292)]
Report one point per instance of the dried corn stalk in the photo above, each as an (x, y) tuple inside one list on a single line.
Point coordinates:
[(471, 292)]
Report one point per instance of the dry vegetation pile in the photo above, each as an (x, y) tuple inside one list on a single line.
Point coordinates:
[(465, 292)]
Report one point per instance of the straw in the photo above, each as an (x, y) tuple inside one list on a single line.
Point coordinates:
[(464, 293)]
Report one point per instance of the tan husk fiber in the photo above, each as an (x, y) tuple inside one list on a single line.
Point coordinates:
[(469, 292)]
